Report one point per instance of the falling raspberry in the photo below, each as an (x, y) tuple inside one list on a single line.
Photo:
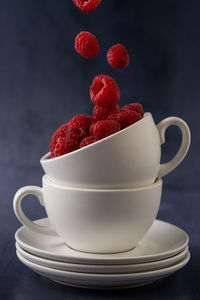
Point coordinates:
[(105, 128), (86, 44), (87, 5), (104, 91), (118, 56), (88, 140)]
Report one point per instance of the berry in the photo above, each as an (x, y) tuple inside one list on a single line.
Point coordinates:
[(113, 116), (128, 117), (76, 133), (64, 146), (86, 44), (104, 91), (91, 129), (88, 140), (105, 128), (135, 107), (83, 121), (60, 132), (102, 112), (71, 145), (87, 5), (118, 56), (59, 147)]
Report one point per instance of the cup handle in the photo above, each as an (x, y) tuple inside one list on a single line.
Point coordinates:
[(21, 193), (166, 168)]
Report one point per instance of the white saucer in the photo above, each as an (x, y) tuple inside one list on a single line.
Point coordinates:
[(103, 280), (163, 240), (102, 269)]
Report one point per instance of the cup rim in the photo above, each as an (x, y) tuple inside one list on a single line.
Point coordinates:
[(46, 158), (47, 180)]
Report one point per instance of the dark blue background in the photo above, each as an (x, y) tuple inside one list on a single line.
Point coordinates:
[(44, 82)]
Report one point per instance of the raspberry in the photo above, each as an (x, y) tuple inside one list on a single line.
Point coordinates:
[(113, 116), (60, 132), (83, 121), (86, 44), (102, 112), (104, 91), (87, 5), (71, 145), (105, 128), (118, 56), (91, 128), (59, 147), (135, 107), (128, 117), (64, 146), (76, 133), (88, 140)]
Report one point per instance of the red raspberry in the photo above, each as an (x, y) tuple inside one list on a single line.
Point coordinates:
[(135, 107), (76, 133), (118, 56), (71, 145), (105, 128), (87, 5), (86, 44), (60, 132), (64, 146), (88, 140), (59, 147), (102, 112), (104, 91), (91, 128), (128, 117), (83, 121), (113, 116)]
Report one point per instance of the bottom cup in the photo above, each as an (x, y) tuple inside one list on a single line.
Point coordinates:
[(94, 220)]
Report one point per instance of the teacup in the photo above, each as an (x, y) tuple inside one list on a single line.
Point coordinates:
[(94, 220), (127, 159)]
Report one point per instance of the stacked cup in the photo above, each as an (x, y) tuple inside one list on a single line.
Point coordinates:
[(104, 198)]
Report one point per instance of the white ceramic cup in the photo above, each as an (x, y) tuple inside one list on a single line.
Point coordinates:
[(129, 158), (91, 220)]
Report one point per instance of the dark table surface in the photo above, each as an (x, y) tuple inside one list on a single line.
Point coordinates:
[(43, 83)]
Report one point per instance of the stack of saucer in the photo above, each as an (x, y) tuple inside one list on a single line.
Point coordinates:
[(162, 252), (102, 201)]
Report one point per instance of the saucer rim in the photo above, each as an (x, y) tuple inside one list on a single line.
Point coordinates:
[(105, 260), (100, 269), (106, 277)]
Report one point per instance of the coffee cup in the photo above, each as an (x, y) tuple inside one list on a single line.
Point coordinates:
[(127, 159), (94, 220)]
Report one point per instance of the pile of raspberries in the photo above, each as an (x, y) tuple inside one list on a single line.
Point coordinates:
[(107, 119)]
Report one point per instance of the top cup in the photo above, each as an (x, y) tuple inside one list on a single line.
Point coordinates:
[(127, 159)]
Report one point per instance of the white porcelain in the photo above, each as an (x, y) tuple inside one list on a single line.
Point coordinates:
[(129, 158), (102, 269), (163, 240), (96, 221), (103, 280)]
